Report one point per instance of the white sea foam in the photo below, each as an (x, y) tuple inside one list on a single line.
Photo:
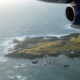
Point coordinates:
[(18, 77), (20, 66), (56, 35), (46, 35), (11, 43), (2, 59), (68, 26), (8, 46)]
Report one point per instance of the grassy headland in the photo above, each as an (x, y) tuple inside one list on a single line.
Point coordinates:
[(53, 46)]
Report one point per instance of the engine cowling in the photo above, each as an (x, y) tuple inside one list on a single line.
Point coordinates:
[(73, 14)]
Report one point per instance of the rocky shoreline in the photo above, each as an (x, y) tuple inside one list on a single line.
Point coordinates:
[(38, 47)]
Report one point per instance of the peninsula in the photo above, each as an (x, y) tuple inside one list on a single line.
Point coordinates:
[(37, 47)]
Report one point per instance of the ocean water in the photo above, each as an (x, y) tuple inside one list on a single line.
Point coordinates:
[(22, 18)]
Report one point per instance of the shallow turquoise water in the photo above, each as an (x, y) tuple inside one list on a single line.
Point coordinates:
[(34, 19)]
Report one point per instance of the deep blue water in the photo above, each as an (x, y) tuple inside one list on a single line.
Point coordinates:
[(34, 18)]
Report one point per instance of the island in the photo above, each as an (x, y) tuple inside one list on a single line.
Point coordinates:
[(38, 47)]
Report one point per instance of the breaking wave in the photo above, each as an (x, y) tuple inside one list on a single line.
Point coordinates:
[(2, 59), (18, 77), (20, 66)]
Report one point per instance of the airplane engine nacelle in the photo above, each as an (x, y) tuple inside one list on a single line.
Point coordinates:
[(73, 14)]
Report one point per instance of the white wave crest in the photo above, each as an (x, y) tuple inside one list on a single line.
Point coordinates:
[(20, 66), (18, 77), (11, 43), (2, 59)]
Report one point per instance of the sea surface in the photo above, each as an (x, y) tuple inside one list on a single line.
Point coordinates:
[(24, 18)]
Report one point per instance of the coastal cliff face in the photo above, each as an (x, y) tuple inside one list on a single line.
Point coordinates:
[(46, 45)]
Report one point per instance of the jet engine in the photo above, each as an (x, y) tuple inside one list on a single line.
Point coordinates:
[(73, 13)]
